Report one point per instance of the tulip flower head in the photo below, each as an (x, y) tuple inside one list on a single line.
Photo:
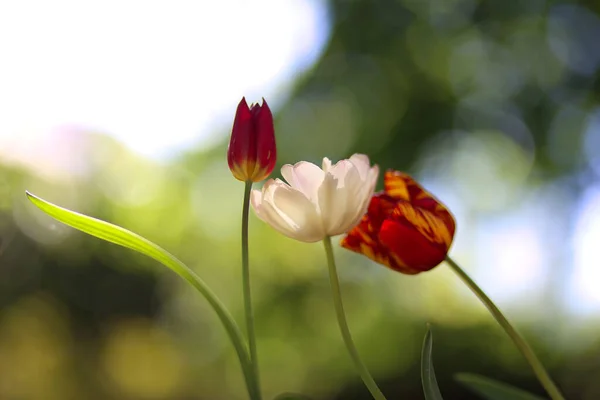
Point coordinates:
[(405, 228), (317, 202), (252, 152)]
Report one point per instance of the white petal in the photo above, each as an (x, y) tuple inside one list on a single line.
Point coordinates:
[(332, 202), (339, 197), (291, 213), (256, 201), (262, 208), (305, 177), (339, 171), (361, 162), (326, 164), (369, 185), (364, 198)]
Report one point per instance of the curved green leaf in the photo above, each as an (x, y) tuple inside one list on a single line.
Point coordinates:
[(123, 237), (490, 389), (430, 386)]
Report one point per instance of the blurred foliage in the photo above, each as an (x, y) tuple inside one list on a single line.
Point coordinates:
[(490, 389), (493, 103)]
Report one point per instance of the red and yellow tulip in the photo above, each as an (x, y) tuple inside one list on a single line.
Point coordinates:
[(405, 228)]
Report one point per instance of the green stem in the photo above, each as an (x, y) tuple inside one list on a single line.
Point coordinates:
[(518, 340), (341, 317), (246, 288), (230, 327)]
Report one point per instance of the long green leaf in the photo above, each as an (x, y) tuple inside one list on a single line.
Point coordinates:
[(123, 237), (491, 389), (430, 386)]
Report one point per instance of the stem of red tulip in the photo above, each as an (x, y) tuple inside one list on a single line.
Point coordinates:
[(247, 292), (341, 317), (518, 340)]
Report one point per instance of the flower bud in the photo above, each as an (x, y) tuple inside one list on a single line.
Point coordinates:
[(252, 152)]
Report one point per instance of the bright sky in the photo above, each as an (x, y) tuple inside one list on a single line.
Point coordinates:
[(158, 75)]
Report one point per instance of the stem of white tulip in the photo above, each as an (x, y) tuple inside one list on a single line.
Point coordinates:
[(343, 324), (247, 293), (518, 340)]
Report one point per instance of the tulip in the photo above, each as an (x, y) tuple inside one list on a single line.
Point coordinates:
[(251, 156), (410, 231), (252, 152), (405, 227), (317, 202)]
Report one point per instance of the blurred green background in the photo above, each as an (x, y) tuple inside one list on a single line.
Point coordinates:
[(493, 105)]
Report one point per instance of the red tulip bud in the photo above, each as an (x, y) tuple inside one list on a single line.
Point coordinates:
[(252, 152)]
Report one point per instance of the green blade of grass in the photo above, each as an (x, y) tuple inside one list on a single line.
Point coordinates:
[(115, 234), (490, 389), (430, 386)]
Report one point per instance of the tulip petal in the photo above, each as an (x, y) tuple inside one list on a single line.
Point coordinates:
[(330, 206), (362, 196), (431, 226), (266, 150), (359, 194), (290, 212), (411, 251), (340, 170), (241, 153), (370, 182), (361, 162), (261, 208), (395, 185), (256, 200), (340, 198), (364, 238), (305, 177), (403, 187)]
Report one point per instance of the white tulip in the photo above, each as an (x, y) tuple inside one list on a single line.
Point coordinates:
[(316, 202)]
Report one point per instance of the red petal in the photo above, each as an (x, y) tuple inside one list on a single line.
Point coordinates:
[(241, 153), (364, 238), (395, 185), (411, 250), (266, 150), (402, 186)]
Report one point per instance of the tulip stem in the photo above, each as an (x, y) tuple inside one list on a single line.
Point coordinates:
[(246, 290), (518, 340), (343, 324)]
